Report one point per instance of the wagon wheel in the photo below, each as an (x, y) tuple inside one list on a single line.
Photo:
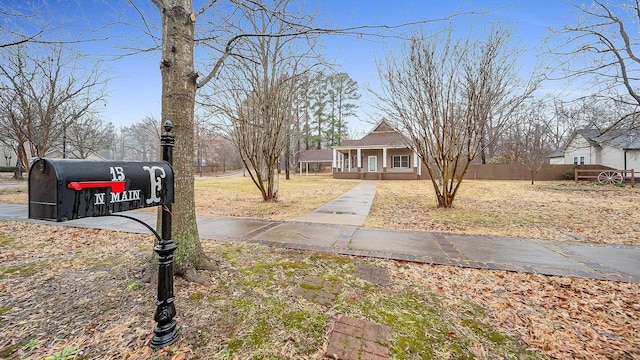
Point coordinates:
[(609, 177)]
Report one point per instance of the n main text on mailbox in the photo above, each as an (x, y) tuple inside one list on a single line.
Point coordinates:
[(66, 189)]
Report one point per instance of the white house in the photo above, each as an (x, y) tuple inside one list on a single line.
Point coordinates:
[(618, 148)]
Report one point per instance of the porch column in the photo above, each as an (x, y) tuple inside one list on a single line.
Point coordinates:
[(307, 168), (358, 156), (351, 164), (415, 161), (341, 161), (300, 168), (334, 160), (384, 159)]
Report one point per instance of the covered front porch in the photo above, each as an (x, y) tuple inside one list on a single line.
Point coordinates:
[(376, 163)]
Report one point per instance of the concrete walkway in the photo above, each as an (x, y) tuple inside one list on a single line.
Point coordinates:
[(609, 262), (351, 208)]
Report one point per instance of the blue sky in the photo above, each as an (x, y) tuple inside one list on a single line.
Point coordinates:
[(134, 85), (530, 21)]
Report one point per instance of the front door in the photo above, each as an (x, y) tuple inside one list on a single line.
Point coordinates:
[(373, 163)]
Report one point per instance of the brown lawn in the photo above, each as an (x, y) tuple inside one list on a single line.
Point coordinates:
[(546, 210), (239, 197)]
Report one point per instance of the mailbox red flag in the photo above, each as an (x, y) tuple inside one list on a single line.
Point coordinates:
[(116, 186)]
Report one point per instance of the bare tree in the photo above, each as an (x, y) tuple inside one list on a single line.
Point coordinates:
[(258, 88), (8, 153), (534, 138), (142, 140), (44, 90), (88, 135), (222, 153), (442, 93), (13, 15), (604, 41), (221, 33), (563, 124)]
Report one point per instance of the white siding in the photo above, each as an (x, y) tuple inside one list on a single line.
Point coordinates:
[(578, 147), (612, 157), (556, 161), (633, 160)]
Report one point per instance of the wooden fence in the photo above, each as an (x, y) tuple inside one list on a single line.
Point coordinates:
[(606, 175), (517, 172)]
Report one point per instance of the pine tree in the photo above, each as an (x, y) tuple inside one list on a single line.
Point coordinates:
[(319, 101), (344, 94)]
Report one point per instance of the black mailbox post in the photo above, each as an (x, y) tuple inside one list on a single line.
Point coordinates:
[(63, 189)]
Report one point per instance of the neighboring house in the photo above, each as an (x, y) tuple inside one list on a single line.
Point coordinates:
[(556, 158), (381, 154), (618, 149)]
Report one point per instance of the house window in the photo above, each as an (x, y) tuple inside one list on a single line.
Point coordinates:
[(581, 160), (400, 161)]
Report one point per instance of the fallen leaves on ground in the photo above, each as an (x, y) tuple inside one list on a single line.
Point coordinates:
[(70, 288), (566, 318)]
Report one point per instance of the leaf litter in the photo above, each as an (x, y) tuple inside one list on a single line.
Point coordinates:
[(81, 300)]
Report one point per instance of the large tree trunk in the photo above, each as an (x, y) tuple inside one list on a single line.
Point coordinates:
[(17, 173), (178, 102)]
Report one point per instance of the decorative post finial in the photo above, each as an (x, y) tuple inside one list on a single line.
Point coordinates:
[(168, 126)]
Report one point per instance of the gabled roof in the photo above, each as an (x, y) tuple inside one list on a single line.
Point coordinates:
[(383, 134), (587, 134), (626, 139)]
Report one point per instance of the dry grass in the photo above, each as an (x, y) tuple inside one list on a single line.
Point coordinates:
[(14, 196), (239, 197), (547, 210)]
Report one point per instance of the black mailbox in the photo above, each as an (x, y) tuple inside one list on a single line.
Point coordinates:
[(66, 189)]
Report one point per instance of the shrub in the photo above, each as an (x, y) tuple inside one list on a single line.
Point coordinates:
[(568, 175)]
